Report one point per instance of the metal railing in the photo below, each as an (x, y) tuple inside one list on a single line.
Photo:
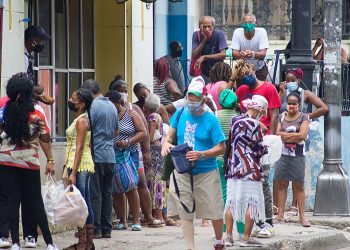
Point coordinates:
[(345, 78)]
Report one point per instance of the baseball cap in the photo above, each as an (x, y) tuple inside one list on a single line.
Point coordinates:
[(197, 87), (228, 99), (36, 31)]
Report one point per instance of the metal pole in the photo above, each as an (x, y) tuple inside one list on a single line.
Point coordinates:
[(332, 192)]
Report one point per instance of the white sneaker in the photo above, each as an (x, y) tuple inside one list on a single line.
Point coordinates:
[(52, 247), (16, 247), (4, 243), (267, 232), (29, 242), (256, 229)]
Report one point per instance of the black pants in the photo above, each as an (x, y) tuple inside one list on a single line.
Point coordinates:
[(22, 186), (4, 225), (101, 197)]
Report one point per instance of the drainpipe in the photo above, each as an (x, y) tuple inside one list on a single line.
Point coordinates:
[(332, 192)]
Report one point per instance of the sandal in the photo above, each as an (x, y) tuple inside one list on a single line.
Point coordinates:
[(278, 221), (136, 227), (275, 210), (293, 211), (156, 223), (119, 226), (170, 222), (305, 223)]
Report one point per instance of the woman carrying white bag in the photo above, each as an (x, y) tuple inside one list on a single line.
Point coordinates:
[(80, 167)]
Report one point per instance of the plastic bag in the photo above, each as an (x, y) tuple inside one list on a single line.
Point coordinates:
[(274, 144), (51, 191), (71, 209)]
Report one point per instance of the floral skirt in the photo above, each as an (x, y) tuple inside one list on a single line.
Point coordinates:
[(153, 174)]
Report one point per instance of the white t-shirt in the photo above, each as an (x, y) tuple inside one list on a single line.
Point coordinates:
[(258, 42)]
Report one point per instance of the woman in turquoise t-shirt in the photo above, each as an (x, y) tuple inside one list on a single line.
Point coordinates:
[(201, 131)]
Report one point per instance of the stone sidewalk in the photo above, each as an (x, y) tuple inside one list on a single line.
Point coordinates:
[(325, 233)]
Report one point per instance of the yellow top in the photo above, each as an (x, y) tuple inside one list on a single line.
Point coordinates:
[(86, 163)]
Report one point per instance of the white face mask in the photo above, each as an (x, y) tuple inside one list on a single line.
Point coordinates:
[(124, 97)]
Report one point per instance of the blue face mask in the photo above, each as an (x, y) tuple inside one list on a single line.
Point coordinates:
[(249, 80), (292, 86)]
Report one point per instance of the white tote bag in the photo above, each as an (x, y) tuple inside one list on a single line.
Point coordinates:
[(51, 191), (71, 209), (274, 144)]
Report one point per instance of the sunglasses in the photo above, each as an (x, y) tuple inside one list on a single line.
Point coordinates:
[(292, 103)]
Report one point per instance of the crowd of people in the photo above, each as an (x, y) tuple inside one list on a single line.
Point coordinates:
[(117, 150)]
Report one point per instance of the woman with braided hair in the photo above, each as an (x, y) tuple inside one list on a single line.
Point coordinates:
[(163, 85), (23, 127), (220, 75)]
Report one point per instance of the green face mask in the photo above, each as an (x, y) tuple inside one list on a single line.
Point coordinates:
[(248, 26)]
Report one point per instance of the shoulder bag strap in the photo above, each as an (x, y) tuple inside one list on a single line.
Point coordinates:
[(178, 193)]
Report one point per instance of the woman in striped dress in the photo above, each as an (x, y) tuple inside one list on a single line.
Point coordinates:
[(163, 85), (131, 132)]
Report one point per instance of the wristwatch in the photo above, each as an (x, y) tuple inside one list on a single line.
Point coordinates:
[(202, 156)]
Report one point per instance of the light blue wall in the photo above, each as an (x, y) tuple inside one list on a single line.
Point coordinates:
[(173, 22), (161, 26)]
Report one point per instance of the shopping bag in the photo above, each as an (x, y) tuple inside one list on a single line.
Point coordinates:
[(71, 208), (51, 192), (274, 144), (125, 173)]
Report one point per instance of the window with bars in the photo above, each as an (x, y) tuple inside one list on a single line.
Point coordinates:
[(68, 58)]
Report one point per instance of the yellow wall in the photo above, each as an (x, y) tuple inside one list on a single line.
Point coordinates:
[(110, 33)]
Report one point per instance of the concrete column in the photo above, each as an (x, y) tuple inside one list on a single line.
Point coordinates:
[(332, 193), (12, 41)]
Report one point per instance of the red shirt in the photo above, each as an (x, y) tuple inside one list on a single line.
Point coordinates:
[(266, 90), (3, 101), (26, 156)]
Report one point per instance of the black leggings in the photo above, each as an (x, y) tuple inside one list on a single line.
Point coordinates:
[(22, 186)]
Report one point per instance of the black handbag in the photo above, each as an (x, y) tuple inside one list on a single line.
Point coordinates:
[(178, 156)]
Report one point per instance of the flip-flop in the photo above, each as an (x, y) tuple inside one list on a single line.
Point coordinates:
[(305, 223), (156, 223), (278, 221), (170, 222), (136, 227), (119, 226)]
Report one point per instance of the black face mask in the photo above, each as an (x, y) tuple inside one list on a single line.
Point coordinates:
[(142, 100), (38, 48), (71, 106)]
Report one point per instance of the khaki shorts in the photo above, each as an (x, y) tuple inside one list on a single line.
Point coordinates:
[(206, 192)]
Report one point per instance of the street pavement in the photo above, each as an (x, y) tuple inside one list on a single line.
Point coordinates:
[(325, 233)]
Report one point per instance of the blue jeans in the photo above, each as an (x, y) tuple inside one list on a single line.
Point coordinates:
[(83, 184)]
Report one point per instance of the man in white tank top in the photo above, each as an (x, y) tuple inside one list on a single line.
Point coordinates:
[(250, 43)]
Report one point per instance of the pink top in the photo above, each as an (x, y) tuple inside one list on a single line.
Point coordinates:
[(213, 89)]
